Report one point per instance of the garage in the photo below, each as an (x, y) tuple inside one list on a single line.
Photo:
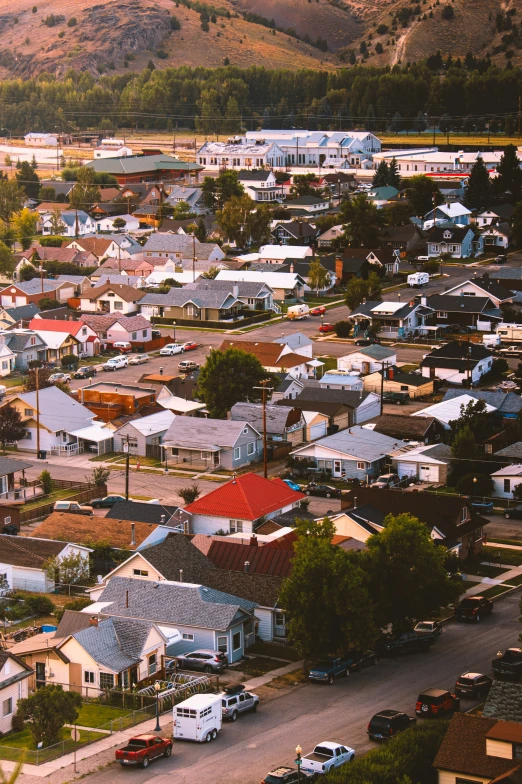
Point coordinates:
[(318, 431), (428, 473), (406, 469)]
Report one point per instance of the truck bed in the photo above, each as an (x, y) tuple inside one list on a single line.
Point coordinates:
[(313, 757)]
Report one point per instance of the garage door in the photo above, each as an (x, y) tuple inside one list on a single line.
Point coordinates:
[(429, 473), (407, 469), (318, 430)]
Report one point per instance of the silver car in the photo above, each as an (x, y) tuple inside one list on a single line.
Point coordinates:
[(236, 700), (205, 660)]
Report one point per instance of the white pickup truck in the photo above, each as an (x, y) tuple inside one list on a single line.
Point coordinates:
[(326, 756), (510, 351)]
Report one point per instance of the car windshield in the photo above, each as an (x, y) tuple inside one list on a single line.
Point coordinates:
[(219, 656), (383, 478), (424, 625)]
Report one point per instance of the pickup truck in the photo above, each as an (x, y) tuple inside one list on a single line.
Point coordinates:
[(407, 642), (510, 351), (473, 608), (326, 756), (142, 749), (327, 670), (509, 665)]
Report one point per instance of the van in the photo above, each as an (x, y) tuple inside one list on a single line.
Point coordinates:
[(122, 346), (198, 718), (491, 340), (418, 279), (422, 258), (115, 363), (297, 312)]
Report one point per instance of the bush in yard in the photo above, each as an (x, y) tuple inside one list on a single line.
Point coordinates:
[(517, 493), (47, 482), (189, 494), (343, 329), (18, 723), (47, 711), (77, 605), (468, 486), (100, 476), (69, 360), (39, 604), (68, 570)]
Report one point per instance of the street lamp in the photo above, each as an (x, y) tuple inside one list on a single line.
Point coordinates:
[(157, 687), (166, 459), (174, 328), (298, 760)]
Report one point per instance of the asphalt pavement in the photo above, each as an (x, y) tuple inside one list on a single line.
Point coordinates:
[(246, 750)]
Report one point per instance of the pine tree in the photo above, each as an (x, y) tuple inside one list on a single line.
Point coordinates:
[(394, 178), (478, 190), (267, 122), (509, 173), (381, 176)]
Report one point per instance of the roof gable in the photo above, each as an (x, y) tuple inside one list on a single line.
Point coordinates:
[(247, 497)]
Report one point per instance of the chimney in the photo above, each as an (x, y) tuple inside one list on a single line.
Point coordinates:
[(247, 566), (390, 374), (127, 599), (161, 371), (93, 621), (423, 299), (235, 290), (253, 541), (411, 303), (133, 533), (181, 575)]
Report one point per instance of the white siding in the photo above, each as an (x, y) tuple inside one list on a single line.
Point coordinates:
[(205, 524), (498, 482), (360, 361), (369, 408), (498, 748), (406, 469), (27, 579), (264, 629)]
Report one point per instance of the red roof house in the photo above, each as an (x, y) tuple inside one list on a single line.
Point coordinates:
[(90, 342)]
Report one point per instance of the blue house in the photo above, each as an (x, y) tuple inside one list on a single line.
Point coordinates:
[(456, 241)]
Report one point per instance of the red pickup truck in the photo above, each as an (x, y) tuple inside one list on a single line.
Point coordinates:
[(144, 748)]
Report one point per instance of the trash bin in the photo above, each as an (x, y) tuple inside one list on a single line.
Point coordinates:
[(42, 454)]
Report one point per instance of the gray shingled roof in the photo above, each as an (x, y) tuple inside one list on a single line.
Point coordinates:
[(276, 416), (200, 297), (10, 466), (358, 442), (176, 603), (58, 411), (195, 433), (115, 643), (512, 451), (504, 702), (23, 312), (244, 288), (176, 243), (505, 402)]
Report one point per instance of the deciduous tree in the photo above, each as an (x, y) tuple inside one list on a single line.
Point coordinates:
[(12, 197), (70, 569), (318, 276), (230, 377), (421, 193), (85, 192), (47, 711), (363, 221), (12, 428), (24, 225)]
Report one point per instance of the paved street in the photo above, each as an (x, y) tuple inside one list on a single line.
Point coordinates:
[(245, 751)]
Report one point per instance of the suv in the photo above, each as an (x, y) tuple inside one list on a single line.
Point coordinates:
[(473, 684), (85, 372), (399, 398), (205, 660), (286, 775), (187, 365), (387, 723), (436, 702), (115, 363), (236, 700), (386, 481), (473, 608), (72, 507)]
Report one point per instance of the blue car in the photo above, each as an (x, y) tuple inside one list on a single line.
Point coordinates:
[(481, 505), (292, 485)]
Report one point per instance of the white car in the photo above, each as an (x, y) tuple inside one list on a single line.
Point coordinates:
[(138, 359), (63, 377), (172, 348), (115, 363)]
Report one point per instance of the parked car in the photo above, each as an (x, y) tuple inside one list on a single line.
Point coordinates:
[(139, 359), (399, 398), (170, 349), (325, 757), (122, 346), (328, 669), (318, 311), (287, 775), (72, 507), (323, 491), (473, 684), (142, 749), (366, 342), (436, 702), (473, 608), (236, 700), (501, 258), (190, 345), (386, 481), (327, 328), (115, 363), (187, 366), (407, 642), (433, 628), (85, 372), (388, 723), (63, 378), (514, 512), (362, 659), (205, 660), (508, 665), (107, 502), (481, 505), (292, 485)]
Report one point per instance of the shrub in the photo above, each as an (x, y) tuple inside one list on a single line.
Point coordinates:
[(76, 605), (378, 48), (175, 24), (39, 605), (18, 723), (69, 360), (46, 303), (448, 12), (382, 29), (72, 22), (189, 494), (161, 54), (343, 329), (468, 486), (47, 482)]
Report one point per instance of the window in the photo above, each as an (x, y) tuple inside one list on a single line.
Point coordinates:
[(464, 515), (5, 365), (134, 336), (507, 485), (517, 750), (205, 455), (466, 781), (245, 431), (222, 644), (189, 637), (236, 526), (140, 572), (152, 664), (118, 305), (488, 448), (84, 330), (280, 620), (106, 680), (236, 641), (442, 314), (251, 447), (361, 465), (144, 333), (7, 707), (174, 451), (28, 411), (88, 677), (237, 453)]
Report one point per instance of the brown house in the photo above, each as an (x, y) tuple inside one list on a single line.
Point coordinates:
[(109, 401), (427, 430)]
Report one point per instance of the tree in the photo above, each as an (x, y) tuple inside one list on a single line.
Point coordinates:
[(46, 482), (326, 597), (230, 377), (302, 185), (182, 211), (12, 428), (218, 190), (380, 178), (85, 192), (477, 194), (24, 224), (12, 197), (421, 192), (475, 416), (509, 173), (201, 230), (189, 494), (43, 377), (68, 570), (7, 262), (100, 476), (47, 711), (464, 446), (516, 225), (28, 179), (394, 178), (211, 273), (244, 223), (318, 276), (363, 222), (408, 573), (119, 223), (47, 193), (57, 224), (343, 329), (475, 484)]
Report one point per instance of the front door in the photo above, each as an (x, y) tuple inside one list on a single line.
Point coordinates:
[(337, 468), (40, 675)]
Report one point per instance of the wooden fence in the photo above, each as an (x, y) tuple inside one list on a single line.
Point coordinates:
[(84, 492)]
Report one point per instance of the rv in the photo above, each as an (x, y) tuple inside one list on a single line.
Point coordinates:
[(510, 333), (296, 312), (198, 718), (418, 279)]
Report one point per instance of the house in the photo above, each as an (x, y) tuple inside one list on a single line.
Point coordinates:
[(204, 617), (496, 236), (393, 379), (181, 248), (451, 520), (457, 242), (368, 359), (59, 342), (277, 254), (253, 296), (113, 328), (14, 686), (355, 453), (511, 453), (382, 196), (135, 281), (179, 194), (287, 286), (239, 506), (325, 239), (41, 140), (141, 512), (484, 286), (59, 416), (21, 346), (261, 559), (339, 183), (501, 213), (391, 319), (475, 312), (294, 232), (476, 748), (326, 149), (282, 423), (200, 304), (116, 246), (132, 267), (7, 355), (272, 356), (260, 185), (107, 400), (144, 193), (362, 405), (138, 434), (302, 268), (406, 239), (288, 387), (211, 443), (506, 404), (423, 430), (427, 463), (13, 489), (335, 379), (106, 223), (449, 409), (295, 343), (32, 291), (157, 167), (384, 261), (75, 223), (239, 154), (23, 561), (65, 255), (506, 479), (111, 298), (457, 362), (308, 205), (455, 213), (510, 277), (17, 316), (112, 148)]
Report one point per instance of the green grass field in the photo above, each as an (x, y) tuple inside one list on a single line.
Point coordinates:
[(460, 139)]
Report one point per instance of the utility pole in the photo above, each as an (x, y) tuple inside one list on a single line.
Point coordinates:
[(384, 365), (519, 116), (126, 469), (467, 363), (263, 387), (193, 258), (37, 386)]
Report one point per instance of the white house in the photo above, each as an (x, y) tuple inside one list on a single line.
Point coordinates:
[(457, 362), (429, 159), (367, 359), (107, 224), (239, 153), (112, 148), (112, 328), (41, 140), (324, 149), (296, 343), (23, 560), (495, 215), (75, 223), (261, 185), (426, 463), (506, 479), (14, 681), (111, 298), (481, 287), (497, 236), (277, 254), (180, 248), (285, 285)]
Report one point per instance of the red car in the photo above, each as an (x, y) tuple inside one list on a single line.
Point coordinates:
[(327, 328), (190, 346), (318, 311)]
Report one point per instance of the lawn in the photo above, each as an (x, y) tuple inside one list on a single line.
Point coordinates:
[(496, 590), (56, 495), (257, 666), (285, 652), (330, 363), (483, 570), (92, 714), (510, 557), (515, 580)]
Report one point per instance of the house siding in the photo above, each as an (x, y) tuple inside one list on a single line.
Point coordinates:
[(372, 383), (498, 485), (143, 440), (447, 777), (369, 408), (127, 570), (205, 524), (362, 362), (264, 629)]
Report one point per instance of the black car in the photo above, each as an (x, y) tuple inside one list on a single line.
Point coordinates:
[(324, 491), (514, 512), (388, 723), (407, 642), (107, 502), (155, 333), (473, 608), (501, 258), (287, 775), (362, 659), (366, 342), (473, 684), (85, 372)]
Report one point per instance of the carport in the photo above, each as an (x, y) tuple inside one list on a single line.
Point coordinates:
[(95, 438)]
